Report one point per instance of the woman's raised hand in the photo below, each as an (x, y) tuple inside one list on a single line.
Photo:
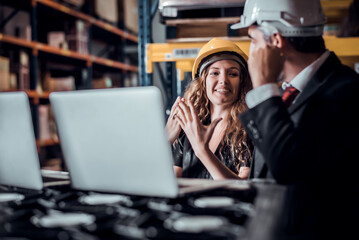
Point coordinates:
[(173, 128), (198, 134)]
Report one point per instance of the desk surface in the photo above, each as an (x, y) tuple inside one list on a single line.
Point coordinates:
[(62, 213)]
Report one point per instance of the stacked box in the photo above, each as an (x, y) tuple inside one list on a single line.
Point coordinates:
[(58, 84), (130, 12), (77, 37), (107, 10), (4, 74), (23, 68), (56, 39), (44, 126)]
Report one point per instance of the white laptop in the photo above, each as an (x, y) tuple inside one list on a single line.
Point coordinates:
[(114, 140), (19, 159)]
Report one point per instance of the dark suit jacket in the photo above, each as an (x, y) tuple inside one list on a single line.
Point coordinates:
[(313, 148)]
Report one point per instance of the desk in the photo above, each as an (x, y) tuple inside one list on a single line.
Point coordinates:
[(239, 214), (268, 205)]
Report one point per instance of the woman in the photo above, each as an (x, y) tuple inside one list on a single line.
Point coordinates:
[(208, 138)]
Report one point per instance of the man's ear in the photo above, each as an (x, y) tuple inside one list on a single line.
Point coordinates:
[(277, 40)]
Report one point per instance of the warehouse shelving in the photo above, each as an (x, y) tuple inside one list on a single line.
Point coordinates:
[(89, 59), (42, 12)]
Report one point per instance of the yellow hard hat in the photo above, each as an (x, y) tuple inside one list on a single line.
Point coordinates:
[(216, 45)]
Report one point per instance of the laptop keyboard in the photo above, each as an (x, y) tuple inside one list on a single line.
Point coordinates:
[(27, 193), (63, 213)]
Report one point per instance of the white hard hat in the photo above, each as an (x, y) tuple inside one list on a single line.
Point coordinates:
[(290, 17)]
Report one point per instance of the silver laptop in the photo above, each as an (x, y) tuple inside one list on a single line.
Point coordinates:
[(114, 140), (19, 160)]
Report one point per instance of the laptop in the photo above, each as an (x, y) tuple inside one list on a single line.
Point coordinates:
[(19, 159), (114, 140)]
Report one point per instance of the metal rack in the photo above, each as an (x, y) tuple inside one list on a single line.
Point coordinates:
[(39, 49)]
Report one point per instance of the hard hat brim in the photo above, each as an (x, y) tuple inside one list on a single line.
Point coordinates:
[(240, 25)]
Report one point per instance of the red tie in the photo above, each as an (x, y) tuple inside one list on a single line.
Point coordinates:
[(289, 95)]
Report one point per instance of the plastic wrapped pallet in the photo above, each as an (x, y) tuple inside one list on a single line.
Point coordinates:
[(77, 37)]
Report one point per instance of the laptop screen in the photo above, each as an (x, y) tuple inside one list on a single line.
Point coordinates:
[(114, 140), (19, 160)]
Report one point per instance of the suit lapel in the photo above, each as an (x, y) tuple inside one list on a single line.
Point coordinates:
[(316, 82), (308, 91)]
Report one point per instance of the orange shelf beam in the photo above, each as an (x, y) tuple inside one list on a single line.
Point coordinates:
[(114, 64), (47, 142), (89, 19), (33, 94), (43, 47), (114, 30), (17, 41), (89, 59), (36, 96), (64, 9), (62, 52)]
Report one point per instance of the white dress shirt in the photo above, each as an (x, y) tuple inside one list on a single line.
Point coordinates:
[(263, 92)]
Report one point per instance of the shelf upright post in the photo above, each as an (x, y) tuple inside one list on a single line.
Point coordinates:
[(87, 77), (34, 65), (89, 68), (34, 57), (120, 51), (171, 72), (144, 38), (171, 84)]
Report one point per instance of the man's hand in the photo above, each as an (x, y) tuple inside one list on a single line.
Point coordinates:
[(264, 65)]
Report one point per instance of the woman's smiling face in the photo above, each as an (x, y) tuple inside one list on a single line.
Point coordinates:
[(222, 82)]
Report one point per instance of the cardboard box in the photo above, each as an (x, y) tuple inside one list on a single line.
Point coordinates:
[(13, 81), (23, 32), (62, 84), (4, 74), (130, 11), (56, 39), (24, 71), (107, 10), (58, 84), (44, 126), (104, 82)]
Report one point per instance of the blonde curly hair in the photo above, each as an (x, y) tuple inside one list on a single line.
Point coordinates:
[(235, 135)]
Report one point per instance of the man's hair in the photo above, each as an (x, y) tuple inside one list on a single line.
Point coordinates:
[(307, 44), (313, 44)]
